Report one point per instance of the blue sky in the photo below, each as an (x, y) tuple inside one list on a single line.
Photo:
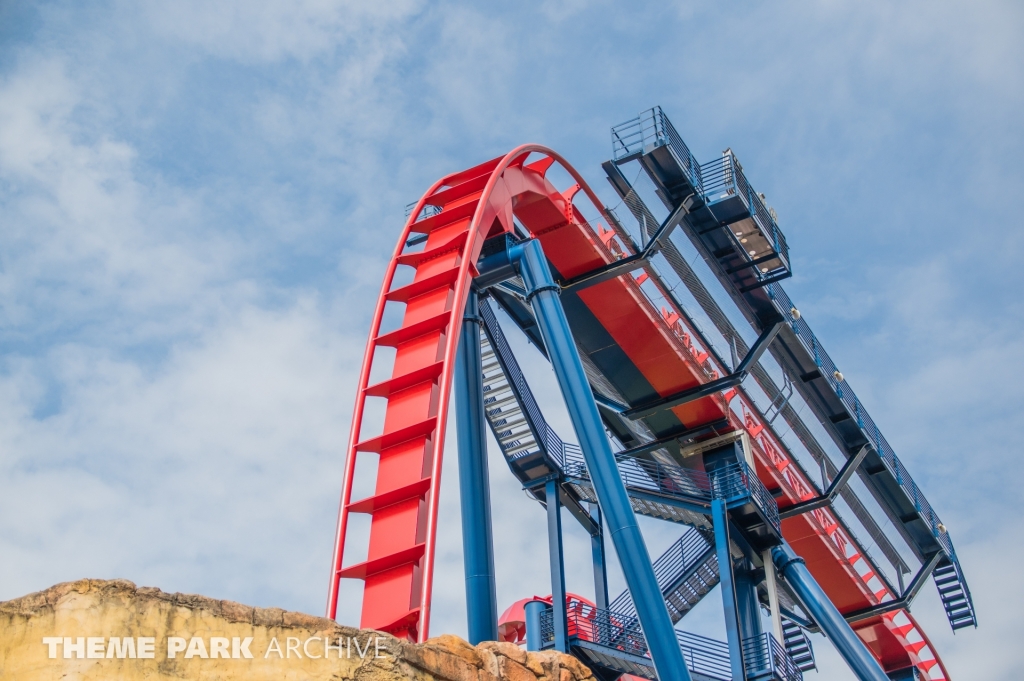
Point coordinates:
[(197, 201)]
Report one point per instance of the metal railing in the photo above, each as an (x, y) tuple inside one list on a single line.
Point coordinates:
[(737, 480), (764, 655), (724, 176), (843, 390), (622, 633), (546, 437), (649, 130), (429, 210), (677, 559), (652, 129), (651, 476), (705, 656), (730, 482)]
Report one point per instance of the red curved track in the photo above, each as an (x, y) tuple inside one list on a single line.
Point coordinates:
[(478, 203)]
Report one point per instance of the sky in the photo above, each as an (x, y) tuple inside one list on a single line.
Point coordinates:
[(198, 200)]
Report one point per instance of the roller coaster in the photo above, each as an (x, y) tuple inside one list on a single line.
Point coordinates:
[(790, 498)]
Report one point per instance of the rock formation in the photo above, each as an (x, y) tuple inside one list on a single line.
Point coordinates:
[(95, 630)]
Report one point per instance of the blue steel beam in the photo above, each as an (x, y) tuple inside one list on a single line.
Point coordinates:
[(534, 637), (711, 387), (597, 552), (720, 516), (542, 293), (474, 485), (557, 561), (748, 607), (825, 615)]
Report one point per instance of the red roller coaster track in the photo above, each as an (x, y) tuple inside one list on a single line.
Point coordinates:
[(472, 206)]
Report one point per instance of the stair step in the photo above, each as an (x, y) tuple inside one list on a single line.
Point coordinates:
[(496, 384), (520, 448), (500, 401), (517, 446), (797, 645), (517, 435), (956, 600), (505, 421)]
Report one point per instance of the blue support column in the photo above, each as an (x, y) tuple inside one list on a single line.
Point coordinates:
[(720, 517), (597, 552), (534, 609), (817, 604), (556, 559), (542, 292), (474, 485), (748, 608), (748, 612)]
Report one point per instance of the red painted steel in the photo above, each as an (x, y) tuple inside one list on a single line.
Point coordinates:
[(512, 622), (480, 202), (474, 204)]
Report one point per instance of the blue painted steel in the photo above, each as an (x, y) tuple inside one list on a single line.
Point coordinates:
[(747, 606), (534, 639), (720, 517), (597, 552), (557, 561), (474, 485), (826, 616), (542, 292)]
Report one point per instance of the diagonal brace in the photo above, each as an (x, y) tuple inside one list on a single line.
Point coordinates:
[(711, 387), (903, 602), (833, 490), (620, 267)]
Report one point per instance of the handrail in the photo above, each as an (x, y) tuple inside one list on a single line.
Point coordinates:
[(731, 481), (545, 436), (725, 175), (652, 128), (678, 558), (763, 654), (843, 390), (703, 655)]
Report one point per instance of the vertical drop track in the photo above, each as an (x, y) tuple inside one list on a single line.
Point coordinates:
[(469, 207)]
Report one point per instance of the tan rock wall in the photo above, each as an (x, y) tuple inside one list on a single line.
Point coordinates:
[(92, 612)]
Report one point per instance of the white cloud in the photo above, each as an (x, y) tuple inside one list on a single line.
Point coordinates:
[(216, 457), (274, 30), (176, 180)]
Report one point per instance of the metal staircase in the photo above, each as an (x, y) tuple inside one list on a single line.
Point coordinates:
[(956, 598), (531, 447), (797, 645), (511, 428), (686, 572)]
